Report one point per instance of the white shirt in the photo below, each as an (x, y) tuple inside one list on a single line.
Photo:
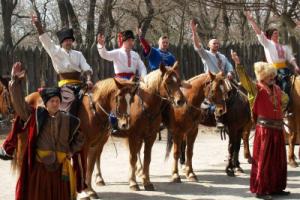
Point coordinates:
[(271, 51), (64, 61), (120, 60)]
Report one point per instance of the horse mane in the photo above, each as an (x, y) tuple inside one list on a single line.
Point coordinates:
[(103, 88), (197, 77), (153, 80)]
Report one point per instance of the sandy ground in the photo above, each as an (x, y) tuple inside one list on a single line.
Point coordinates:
[(209, 163)]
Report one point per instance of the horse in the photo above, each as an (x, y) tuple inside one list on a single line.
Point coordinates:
[(6, 109), (293, 128), (183, 125), (158, 87), (111, 95)]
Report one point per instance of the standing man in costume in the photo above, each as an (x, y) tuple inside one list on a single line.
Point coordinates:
[(212, 59), (276, 54), (269, 165), (53, 138), (157, 56), (127, 63), (69, 64)]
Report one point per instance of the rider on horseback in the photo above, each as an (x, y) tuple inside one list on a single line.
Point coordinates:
[(69, 64), (276, 54), (213, 61), (127, 63)]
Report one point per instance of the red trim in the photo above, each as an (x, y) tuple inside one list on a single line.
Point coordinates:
[(124, 74)]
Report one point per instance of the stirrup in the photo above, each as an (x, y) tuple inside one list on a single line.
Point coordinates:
[(220, 125)]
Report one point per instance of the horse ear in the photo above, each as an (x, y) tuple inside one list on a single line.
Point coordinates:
[(119, 83), (212, 76), (175, 66), (162, 68)]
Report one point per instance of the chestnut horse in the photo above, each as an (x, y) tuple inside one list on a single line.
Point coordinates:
[(109, 95), (184, 121), (6, 109), (158, 87)]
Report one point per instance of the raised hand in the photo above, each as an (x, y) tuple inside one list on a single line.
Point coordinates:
[(235, 57), (248, 15), (101, 39), (17, 70), (138, 31), (37, 24), (193, 25)]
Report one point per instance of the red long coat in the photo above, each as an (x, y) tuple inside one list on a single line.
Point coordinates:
[(269, 167)]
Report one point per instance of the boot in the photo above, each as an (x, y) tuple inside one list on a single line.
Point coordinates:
[(4, 156)]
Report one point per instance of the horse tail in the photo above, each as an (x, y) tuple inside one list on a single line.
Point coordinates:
[(169, 144)]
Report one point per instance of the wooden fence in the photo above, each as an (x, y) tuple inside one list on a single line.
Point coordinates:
[(41, 73)]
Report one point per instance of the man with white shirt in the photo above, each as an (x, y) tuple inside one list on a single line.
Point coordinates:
[(69, 64), (276, 54), (127, 63)]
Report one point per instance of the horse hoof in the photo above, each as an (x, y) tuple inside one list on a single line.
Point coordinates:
[(176, 179), (149, 187), (192, 178), (230, 173), (249, 160), (94, 196), (134, 188), (100, 183), (239, 170), (293, 164)]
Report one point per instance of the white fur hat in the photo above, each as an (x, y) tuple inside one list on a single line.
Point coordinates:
[(263, 70)]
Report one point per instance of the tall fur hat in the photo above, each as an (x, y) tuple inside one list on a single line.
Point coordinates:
[(65, 33), (263, 70)]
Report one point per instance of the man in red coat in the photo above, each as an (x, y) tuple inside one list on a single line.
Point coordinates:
[(269, 167)]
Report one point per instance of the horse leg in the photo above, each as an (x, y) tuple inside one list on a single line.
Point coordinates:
[(237, 146), (291, 156), (149, 141), (91, 159), (133, 150), (182, 153), (246, 134), (189, 172), (229, 168), (99, 179), (177, 139)]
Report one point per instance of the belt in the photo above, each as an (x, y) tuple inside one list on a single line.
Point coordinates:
[(270, 123), (68, 81), (125, 75), (67, 173), (280, 65)]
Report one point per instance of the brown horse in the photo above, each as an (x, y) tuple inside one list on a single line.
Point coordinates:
[(6, 109), (293, 121), (184, 121), (109, 95), (158, 87)]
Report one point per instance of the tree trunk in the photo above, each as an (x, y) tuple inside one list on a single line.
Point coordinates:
[(63, 11), (74, 21), (105, 26), (8, 7), (90, 27), (147, 20)]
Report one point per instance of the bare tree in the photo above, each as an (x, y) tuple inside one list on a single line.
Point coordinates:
[(90, 25), (7, 7)]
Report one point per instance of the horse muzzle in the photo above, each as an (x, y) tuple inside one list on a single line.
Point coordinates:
[(220, 110), (123, 123)]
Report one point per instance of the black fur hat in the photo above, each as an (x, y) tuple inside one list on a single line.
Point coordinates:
[(48, 93), (65, 33), (127, 34)]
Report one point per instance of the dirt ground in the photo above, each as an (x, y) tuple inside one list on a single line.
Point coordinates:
[(209, 163)]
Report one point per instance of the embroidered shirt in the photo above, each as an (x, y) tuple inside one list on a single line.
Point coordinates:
[(275, 53), (120, 59), (64, 61)]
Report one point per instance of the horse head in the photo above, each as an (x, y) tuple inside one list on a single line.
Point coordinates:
[(217, 92), (124, 97), (170, 85)]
